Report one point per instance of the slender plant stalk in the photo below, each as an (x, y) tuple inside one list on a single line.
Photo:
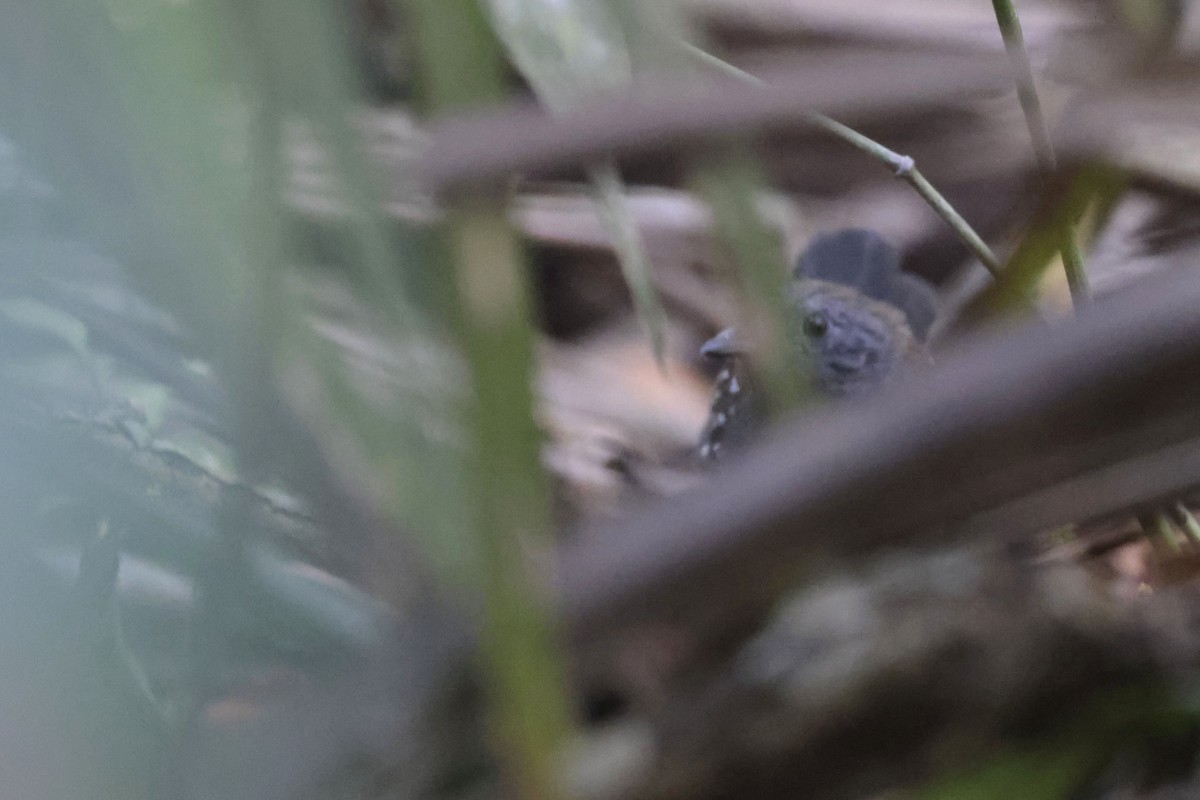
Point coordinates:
[(460, 65), (528, 686), (1014, 42), (905, 167)]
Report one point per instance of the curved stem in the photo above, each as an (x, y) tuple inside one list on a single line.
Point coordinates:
[(905, 167)]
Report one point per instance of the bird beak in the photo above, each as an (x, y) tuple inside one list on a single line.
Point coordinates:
[(724, 344)]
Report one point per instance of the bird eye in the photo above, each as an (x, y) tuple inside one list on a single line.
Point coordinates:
[(815, 325)]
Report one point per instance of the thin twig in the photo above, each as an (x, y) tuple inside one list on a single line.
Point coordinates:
[(905, 167), (1014, 42)]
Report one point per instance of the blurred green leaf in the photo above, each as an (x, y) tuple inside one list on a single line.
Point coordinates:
[(1051, 773), (1120, 727), (732, 185), (1015, 290), (631, 251), (568, 51)]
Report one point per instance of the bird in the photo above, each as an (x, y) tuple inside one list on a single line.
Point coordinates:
[(857, 323)]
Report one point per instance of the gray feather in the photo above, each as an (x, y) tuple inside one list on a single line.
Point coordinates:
[(918, 300), (864, 261), (854, 257)]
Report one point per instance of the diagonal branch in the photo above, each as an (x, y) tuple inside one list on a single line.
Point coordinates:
[(860, 86), (1002, 421)]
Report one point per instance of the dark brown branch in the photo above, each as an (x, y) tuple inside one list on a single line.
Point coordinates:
[(1146, 125), (1001, 420), (861, 684), (853, 87)]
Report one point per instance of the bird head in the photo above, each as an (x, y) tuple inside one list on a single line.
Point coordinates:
[(858, 325), (850, 343), (858, 319)]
